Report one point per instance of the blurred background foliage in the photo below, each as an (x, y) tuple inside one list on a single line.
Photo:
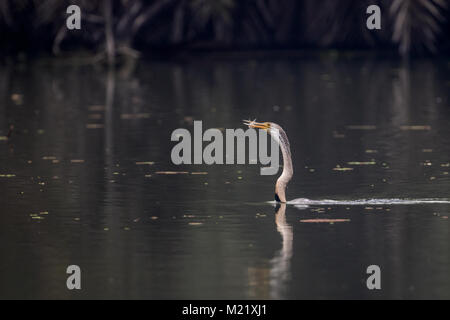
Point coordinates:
[(115, 27)]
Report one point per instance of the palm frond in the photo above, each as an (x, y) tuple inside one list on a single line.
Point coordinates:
[(417, 23)]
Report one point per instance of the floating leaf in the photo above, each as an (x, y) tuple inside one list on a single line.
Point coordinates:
[(7, 175), (358, 163), (339, 168), (94, 126), (416, 128), (172, 172), (324, 220), (76, 161), (141, 163)]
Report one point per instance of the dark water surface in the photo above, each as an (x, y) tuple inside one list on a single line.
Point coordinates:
[(73, 189)]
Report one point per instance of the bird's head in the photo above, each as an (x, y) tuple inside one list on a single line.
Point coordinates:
[(270, 127)]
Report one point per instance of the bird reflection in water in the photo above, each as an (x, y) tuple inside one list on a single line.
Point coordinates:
[(280, 264), (271, 282)]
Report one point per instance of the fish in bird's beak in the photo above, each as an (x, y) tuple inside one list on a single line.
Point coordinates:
[(257, 125)]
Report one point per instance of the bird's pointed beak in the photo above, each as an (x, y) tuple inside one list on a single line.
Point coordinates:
[(256, 125)]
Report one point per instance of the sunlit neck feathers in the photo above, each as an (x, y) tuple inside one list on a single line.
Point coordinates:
[(288, 171)]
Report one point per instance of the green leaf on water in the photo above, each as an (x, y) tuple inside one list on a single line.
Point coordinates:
[(7, 175), (361, 163), (339, 168)]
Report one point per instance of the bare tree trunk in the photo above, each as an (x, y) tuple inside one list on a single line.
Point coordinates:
[(109, 33), (148, 14)]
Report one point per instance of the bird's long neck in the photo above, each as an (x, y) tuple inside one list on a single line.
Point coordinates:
[(288, 171)]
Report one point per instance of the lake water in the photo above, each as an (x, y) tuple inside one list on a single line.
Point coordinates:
[(83, 180)]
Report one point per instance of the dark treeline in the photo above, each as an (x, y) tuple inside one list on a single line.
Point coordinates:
[(116, 27)]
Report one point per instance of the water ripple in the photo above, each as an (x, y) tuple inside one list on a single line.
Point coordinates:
[(359, 202)]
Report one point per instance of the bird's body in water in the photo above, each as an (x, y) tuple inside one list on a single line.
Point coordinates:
[(281, 137)]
